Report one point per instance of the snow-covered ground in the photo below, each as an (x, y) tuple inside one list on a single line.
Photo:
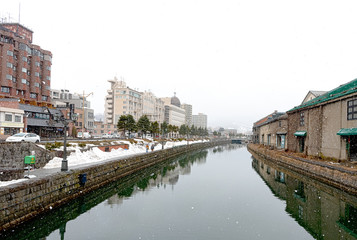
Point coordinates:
[(95, 155)]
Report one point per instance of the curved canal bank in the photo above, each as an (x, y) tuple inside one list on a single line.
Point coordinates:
[(333, 174), (23, 201)]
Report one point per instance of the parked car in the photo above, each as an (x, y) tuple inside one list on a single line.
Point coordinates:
[(85, 135), (24, 137), (106, 135)]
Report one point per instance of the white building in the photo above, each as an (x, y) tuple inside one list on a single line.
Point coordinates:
[(174, 114), (199, 120), (188, 114), (11, 121), (153, 107), (121, 100)]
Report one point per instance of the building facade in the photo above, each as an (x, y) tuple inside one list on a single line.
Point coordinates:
[(101, 128), (11, 117), (62, 98), (271, 130), (25, 68), (174, 114), (326, 125), (121, 100), (153, 107), (200, 120), (188, 114)]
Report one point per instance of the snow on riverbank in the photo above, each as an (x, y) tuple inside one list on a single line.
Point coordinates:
[(95, 155)]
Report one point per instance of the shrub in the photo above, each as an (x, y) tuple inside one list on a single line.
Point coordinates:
[(82, 145)]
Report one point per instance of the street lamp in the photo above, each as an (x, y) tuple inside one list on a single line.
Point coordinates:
[(59, 118)]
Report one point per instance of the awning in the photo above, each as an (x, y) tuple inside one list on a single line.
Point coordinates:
[(347, 131), (300, 133)]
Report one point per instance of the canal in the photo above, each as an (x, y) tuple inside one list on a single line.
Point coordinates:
[(218, 193)]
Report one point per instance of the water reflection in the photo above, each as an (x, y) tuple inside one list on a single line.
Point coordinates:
[(325, 212), (165, 174)]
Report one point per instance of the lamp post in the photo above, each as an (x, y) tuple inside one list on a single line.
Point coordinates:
[(64, 165), (57, 117)]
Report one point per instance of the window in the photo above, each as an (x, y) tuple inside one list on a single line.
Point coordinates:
[(9, 65), (24, 81), (8, 117), (8, 77), (37, 74), (44, 98), (17, 118), (48, 68), (24, 70), (48, 78), (5, 89), (24, 59), (33, 95), (48, 58), (302, 119), (352, 110), (10, 53), (37, 64)]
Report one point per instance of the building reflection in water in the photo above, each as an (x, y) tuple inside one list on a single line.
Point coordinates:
[(325, 212)]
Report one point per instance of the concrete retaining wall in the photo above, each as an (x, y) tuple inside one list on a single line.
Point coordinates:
[(336, 176), (23, 201)]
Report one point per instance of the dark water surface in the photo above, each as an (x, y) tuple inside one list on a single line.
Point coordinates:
[(219, 193)]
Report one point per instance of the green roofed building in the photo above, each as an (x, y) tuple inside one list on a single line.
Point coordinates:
[(326, 125)]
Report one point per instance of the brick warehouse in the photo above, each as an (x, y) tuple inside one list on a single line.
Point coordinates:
[(25, 68)]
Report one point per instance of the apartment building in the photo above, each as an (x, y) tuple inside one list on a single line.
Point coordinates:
[(153, 107), (25, 68), (200, 120), (188, 113), (122, 100)]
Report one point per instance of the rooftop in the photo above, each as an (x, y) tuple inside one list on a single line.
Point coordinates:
[(342, 90)]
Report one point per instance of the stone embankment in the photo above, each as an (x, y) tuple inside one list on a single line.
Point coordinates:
[(333, 174), (23, 201)]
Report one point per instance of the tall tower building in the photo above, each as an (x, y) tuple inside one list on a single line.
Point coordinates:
[(25, 68), (188, 114)]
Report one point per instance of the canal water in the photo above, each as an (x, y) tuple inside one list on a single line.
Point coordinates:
[(219, 193)]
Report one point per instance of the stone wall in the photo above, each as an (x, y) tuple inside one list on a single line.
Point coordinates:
[(12, 157), (333, 175), (23, 201)]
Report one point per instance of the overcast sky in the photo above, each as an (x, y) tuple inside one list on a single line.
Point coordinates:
[(236, 61)]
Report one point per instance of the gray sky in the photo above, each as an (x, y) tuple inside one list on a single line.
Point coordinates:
[(235, 61)]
